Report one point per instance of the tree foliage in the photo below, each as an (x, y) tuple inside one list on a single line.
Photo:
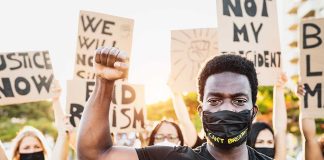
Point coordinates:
[(36, 114)]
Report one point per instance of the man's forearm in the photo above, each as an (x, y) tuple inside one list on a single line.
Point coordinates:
[(94, 133)]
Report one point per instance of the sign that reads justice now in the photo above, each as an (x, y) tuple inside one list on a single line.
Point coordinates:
[(25, 77)]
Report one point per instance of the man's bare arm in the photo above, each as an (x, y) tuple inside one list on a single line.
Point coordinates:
[(94, 140)]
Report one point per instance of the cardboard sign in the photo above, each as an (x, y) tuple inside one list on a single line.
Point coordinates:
[(127, 111), (249, 28), (25, 77), (312, 67), (189, 50), (99, 30)]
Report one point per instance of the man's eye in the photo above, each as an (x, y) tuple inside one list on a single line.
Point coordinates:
[(214, 101), (239, 102)]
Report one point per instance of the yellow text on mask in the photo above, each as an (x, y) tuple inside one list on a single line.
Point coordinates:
[(215, 138), (237, 138)]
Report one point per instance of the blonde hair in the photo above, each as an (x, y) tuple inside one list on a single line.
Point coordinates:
[(25, 132)]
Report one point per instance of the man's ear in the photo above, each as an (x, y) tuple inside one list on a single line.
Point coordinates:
[(255, 111), (199, 109)]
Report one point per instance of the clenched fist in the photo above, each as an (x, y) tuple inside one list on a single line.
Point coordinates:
[(111, 63)]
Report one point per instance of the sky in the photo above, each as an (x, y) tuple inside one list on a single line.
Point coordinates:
[(36, 25)]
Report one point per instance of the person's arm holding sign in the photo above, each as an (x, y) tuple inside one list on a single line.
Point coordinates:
[(311, 148), (61, 148), (280, 118), (94, 140), (187, 127)]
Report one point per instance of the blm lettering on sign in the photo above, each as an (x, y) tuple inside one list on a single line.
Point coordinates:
[(312, 67)]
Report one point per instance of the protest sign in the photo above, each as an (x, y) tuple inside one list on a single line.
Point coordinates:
[(25, 77), (312, 67), (249, 28), (99, 30), (127, 111), (189, 50)]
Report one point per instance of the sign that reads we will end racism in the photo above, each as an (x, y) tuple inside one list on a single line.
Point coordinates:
[(312, 67), (25, 77), (99, 30), (249, 28), (127, 111)]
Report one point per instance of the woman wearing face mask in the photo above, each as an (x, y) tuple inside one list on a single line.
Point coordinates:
[(30, 144), (262, 137), (166, 133)]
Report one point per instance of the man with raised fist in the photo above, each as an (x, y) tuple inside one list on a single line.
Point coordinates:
[(227, 88)]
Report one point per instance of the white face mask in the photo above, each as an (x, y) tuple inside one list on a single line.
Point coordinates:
[(166, 143)]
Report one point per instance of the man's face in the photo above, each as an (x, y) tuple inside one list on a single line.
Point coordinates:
[(227, 91)]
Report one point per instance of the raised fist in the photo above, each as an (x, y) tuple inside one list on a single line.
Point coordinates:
[(111, 63)]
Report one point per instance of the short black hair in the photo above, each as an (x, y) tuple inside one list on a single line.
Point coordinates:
[(256, 128), (229, 63), (157, 127)]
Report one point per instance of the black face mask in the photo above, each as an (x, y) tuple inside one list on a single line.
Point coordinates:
[(227, 129), (32, 156), (270, 152)]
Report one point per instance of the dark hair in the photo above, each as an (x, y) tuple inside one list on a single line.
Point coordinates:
[(229, 63), (256, 128), (157, 127)]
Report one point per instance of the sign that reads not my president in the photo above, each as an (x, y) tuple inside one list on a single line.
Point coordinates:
[(249, 28)]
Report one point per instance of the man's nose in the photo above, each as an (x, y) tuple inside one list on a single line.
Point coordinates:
[(227, 106)]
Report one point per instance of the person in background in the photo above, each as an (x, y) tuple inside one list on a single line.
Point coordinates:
[(312, 148), (261, 138), (189, 131), (166, 133), (265, 140), (30, 144), (174, 134), (63, 126)]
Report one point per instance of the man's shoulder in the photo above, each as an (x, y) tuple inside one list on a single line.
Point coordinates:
[(254, 155)]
